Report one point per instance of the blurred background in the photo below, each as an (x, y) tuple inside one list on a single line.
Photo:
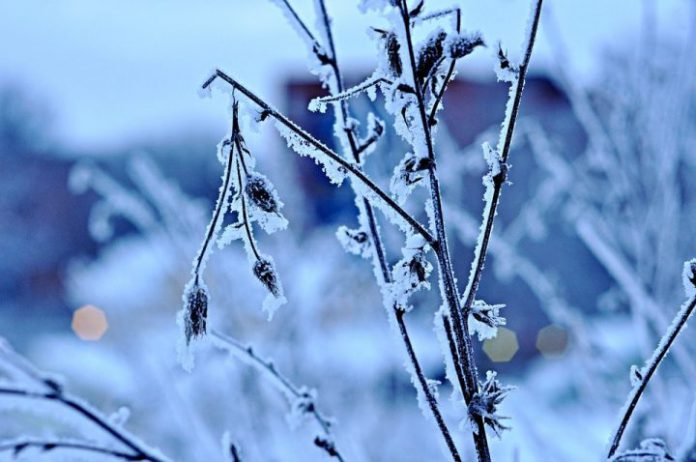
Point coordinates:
[(108, 175)]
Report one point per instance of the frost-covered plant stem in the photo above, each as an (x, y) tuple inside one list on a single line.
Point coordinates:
[(649, 370), (42, 387), (464, 348), (215, 222), (333, 158), (450, 71), (499, 180), (380, 258), (325, 441), (140, 452), (47, 444)]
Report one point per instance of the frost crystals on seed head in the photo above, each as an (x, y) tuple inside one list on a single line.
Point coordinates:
[(484, 403), (461, 45), (265, 272), (196, 312)]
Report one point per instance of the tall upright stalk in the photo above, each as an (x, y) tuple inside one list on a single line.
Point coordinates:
[(463, 338), (380, 258)]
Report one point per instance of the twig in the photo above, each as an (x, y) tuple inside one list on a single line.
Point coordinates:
[(463, 339), (92, 416), (247, 354), (317, 49), (499, 180), (357, 174), (220, 205), (245, 213), (17, 446), (447, 325), (380, 258), (435, 15), (54, 392), (422, 381), (649, 370), (450, 71), (350, 92)]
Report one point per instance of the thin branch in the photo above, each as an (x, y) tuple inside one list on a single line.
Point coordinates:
[(437, 14), (463, 339), (450, 73), (422, 381), (242, 198), (317, 49), (499, 180), (220, 205), (351, 168), (54, 392), (378, 246), (350, 92), (651, 366), (92, 416), (17, 446), (247, 354), (447, 325)]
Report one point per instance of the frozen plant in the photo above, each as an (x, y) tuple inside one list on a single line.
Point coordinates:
[(413, 78), (254, 201)]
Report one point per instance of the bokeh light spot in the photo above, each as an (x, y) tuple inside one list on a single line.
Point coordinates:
[(552, 341), (89, 323), (503, 347)]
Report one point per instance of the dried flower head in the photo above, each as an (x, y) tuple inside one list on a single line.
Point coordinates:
[(429, 54), (461, 45), (484, 403), (392, 47), (261, 193), (196, 315), (265, 272), (419, 268)]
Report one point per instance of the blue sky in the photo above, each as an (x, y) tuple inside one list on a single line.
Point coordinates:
[(115, 70)]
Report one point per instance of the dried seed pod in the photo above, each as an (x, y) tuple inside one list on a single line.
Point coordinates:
[(392, 47), (265, 272), (418, 270), (196, 316), (416, 10), (429, 54), (463, 44), (484, 403), (261, 193), (354, 241)]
